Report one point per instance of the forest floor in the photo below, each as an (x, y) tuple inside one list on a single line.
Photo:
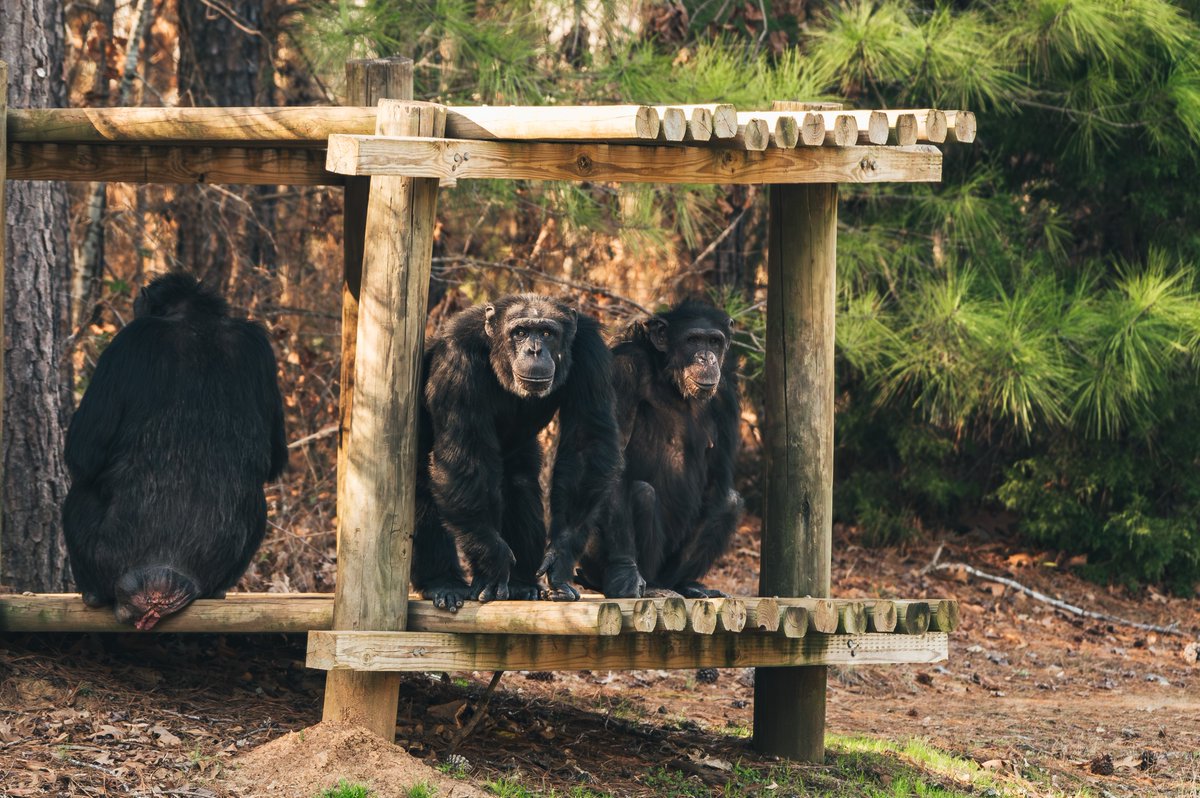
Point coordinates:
[(1031, 702)]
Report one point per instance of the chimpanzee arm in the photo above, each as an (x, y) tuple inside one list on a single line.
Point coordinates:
[(588, 460), (94, 427), (466, 467)]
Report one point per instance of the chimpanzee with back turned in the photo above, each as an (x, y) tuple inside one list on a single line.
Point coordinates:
[(675, 509), (179, 428), (493, 380)]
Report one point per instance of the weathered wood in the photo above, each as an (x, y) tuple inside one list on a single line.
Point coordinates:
[(367, 82), (309, 126), (789, 704), (762, 614), (795, 621), (753, 135), (702, 614), (526, 617), (375, 522), (912, 617), (132, 163), (822, 613), (852, 618), (673, 614), (811, 118), (700, 125), (960, 126), (731, 615), (420, 651), (674, 125), (791, 105), (873, 126), (904, 130), (237, 613), (643, 617), (931, 123), (881, 616), (554, 122), (943, 615), (783, 127), (841, 130), (723, 118), (446, 158)]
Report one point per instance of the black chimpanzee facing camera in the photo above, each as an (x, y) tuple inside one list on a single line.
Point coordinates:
[(675, 509), (181, 425), (493, 380)]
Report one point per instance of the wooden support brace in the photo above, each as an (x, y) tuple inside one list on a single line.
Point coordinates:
[(421, 651)]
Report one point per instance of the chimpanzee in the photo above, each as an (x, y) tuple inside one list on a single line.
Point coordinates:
[(675, 509), (493, 380), (179, 428)]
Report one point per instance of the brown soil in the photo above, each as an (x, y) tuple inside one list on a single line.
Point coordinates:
[(299, 764), (1038, 696)]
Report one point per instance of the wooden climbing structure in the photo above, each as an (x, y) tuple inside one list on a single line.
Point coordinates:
[(392, 156)]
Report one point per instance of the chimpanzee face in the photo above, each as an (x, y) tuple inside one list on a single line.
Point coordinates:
[(533, 339), (695, 350)]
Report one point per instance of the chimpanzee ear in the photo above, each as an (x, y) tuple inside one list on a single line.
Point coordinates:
[(656, 331), (489, 313)]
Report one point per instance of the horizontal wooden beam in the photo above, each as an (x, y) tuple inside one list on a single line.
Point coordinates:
[(420, 651), (445, 158), (164, 163)]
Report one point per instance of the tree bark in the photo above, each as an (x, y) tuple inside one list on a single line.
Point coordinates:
[(36, 373), (223, 61)]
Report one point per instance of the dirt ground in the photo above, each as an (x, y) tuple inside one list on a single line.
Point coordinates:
[(1052, 701)]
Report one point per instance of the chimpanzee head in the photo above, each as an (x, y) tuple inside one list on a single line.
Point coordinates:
[(530, 338), (177, 295), (147, 595), (693, 339)]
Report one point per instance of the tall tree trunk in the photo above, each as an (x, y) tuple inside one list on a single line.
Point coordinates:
[(36, 373), (223, 61)]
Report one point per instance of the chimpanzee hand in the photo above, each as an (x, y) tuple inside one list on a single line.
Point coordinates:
[(623, 580), (697, 590), (491, 573), (557, 569), (447, 594)]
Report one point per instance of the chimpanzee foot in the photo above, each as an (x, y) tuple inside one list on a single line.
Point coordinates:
[(661, 592), (93, 600), (447, 594), (697, 590), (623, 581), (556, 572), (523, 591)]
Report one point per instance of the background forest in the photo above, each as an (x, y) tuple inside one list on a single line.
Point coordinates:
[(1018, 346)]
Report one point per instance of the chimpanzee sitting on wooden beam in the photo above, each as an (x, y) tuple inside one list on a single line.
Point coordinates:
[(675, 510)]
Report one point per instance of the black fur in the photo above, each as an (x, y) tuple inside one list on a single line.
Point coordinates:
[(675, 510), (181, 425), (480, 457)]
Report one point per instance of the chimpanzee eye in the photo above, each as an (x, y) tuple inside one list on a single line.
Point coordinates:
[(716, 341), (519, 332)]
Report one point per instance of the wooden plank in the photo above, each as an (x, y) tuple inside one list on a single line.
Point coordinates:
[(762, 614), (912, 617), (602, 618), (795, 621), (841, 130), (674, 125), (873, 126), (931, 123), (300, 126), (731, 615), (673, 614), (700, 125), (822, 613), (703, 615), (789, 703), (132, 163), (723, 121), (446, 158), (554, 122), (903, 129), (375, 523), (852, 618), (881, 616), (420, 651)]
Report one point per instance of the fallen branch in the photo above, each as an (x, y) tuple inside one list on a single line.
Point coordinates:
[(1173, 629), (480, 711), (322, 433)]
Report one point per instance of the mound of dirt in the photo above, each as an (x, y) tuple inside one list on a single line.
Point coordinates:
[(301, 764)]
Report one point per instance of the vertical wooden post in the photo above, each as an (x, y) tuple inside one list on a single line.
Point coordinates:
[(368, 80), (377, 488), (789, 703), (3, 233)]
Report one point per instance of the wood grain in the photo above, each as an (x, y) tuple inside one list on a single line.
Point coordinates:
[(420, 651), (554, 122), (446, 158)]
